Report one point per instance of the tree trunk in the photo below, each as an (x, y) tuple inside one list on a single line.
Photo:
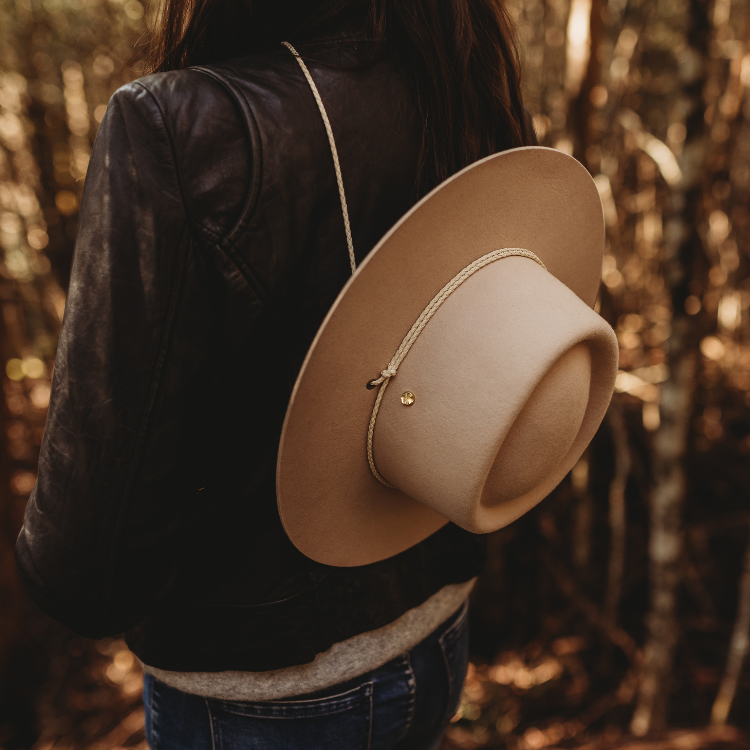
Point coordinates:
[(665, 543), (683, 248)]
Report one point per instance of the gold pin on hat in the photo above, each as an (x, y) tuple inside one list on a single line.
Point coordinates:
[(407, 398)]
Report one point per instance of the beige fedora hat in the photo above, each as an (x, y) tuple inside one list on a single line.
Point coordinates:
[(488, 370)]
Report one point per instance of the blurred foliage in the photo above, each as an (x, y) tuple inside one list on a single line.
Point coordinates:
[(617, 607), (60, 60)]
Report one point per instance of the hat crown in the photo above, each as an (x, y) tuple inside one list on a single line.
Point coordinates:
[(501, 382), (331, 504)]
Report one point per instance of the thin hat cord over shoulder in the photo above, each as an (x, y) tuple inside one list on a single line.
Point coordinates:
[(432, 307), (334, 153)]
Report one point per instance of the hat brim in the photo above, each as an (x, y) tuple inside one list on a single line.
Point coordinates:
[(331, 506)]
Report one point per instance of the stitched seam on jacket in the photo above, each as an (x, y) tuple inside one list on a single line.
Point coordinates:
[(171, 147), (226, 243), (215, 241), (253, 132), (252, 198), (197, 229), (228, 248), (251, 201)]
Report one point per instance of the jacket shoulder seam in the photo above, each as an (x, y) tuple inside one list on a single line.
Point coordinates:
[(253, 133), (168, 136)]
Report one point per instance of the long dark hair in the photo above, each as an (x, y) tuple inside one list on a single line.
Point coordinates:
[(460, 55)]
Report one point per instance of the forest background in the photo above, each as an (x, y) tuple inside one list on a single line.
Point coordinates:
[(618, 612)]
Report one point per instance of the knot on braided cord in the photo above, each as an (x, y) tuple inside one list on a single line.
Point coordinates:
[(386, 374)]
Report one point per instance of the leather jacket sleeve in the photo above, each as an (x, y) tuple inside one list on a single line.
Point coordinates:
[(120, 464)]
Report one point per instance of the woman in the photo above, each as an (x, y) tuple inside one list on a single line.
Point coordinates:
[(210, 248)]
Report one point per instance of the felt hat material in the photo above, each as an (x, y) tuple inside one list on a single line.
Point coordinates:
[(498, 396)]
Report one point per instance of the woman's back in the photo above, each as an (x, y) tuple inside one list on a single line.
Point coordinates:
[(211, 247), (213, 233)]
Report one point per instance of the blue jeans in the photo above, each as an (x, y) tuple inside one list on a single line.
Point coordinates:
[(403, 705)]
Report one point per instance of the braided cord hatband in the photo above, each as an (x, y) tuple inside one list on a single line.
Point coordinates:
[(390, 372)]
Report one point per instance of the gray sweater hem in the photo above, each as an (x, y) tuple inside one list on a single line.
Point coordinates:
[(343, 661)]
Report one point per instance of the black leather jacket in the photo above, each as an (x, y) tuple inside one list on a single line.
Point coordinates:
[(211, 246)]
